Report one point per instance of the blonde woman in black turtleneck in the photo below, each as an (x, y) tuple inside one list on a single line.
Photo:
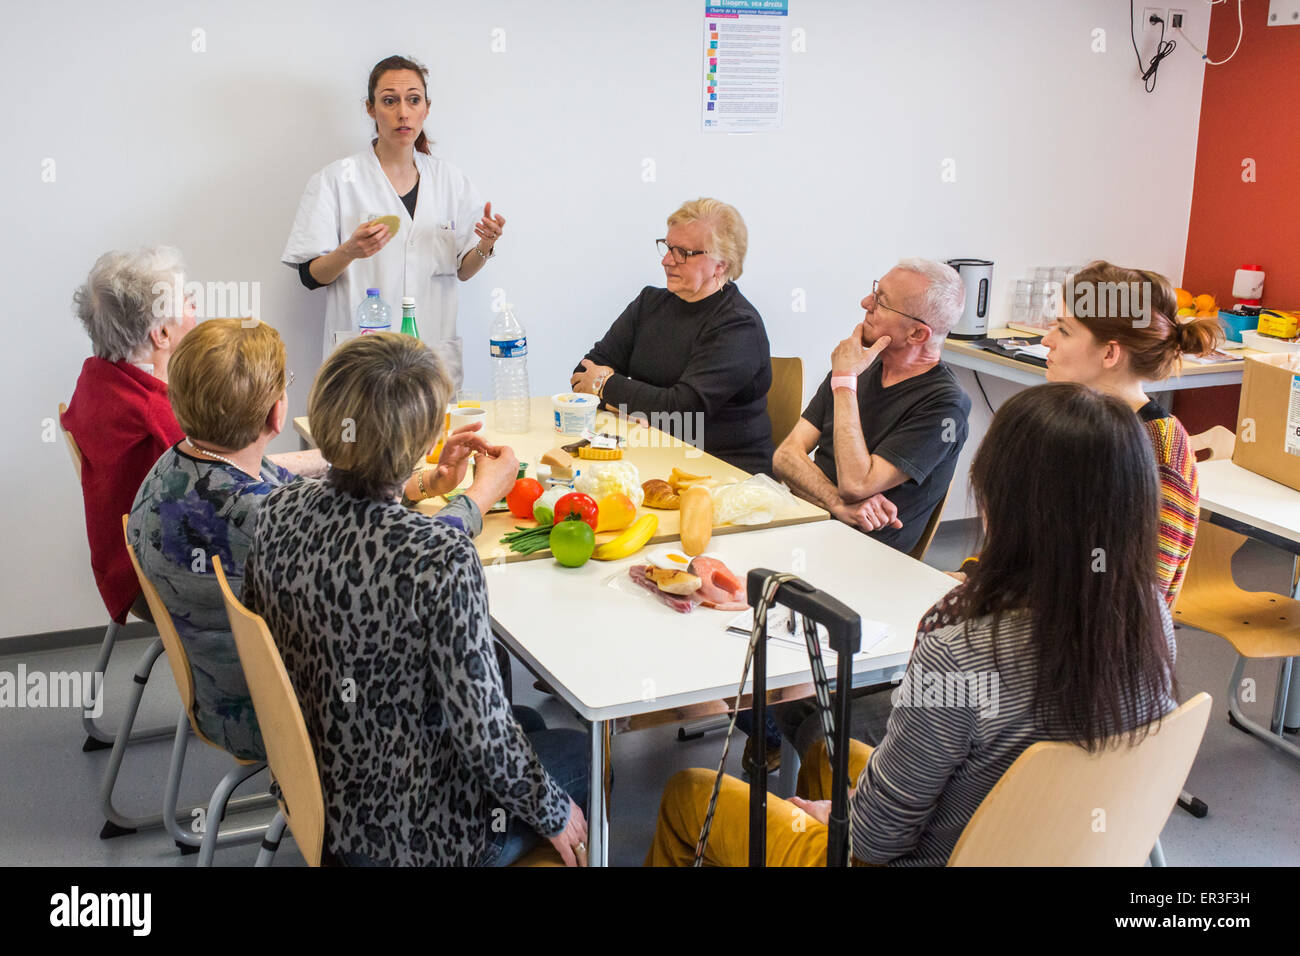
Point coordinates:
[(692, 358)]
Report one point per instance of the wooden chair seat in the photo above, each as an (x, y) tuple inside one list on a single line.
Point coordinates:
[(289, 750), (785, 397), (1258, 624), (1046, 809)]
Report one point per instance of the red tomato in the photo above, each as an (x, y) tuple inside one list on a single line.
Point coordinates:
[(522, 495), (584, 506)]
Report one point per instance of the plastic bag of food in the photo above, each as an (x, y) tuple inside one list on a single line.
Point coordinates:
[(608, 477), (755, 500)]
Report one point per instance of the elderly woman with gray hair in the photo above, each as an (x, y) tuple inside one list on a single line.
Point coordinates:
[(119, 413), (692, 357)]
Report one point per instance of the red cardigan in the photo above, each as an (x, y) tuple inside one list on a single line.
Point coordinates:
[(122, 422)]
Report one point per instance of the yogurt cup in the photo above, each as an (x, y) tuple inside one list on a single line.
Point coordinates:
[(574, 412)]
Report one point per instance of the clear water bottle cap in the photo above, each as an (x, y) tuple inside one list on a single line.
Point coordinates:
[(373, 292)]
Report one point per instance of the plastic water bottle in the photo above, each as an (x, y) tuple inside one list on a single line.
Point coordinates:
[(510, 374), (373, 314), (408, 317)]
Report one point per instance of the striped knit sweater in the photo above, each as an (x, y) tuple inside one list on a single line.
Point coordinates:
[(958, 723), (1179, 497), (1179, 494)]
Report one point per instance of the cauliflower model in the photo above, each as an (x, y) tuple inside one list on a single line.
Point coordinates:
[(610, 477)]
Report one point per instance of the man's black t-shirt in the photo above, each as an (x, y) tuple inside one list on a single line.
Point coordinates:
[(918, 425)]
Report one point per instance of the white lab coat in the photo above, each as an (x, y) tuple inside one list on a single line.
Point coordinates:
[(420, 261)]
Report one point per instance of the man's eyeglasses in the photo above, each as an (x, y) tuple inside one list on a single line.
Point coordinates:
[(882, 304), (680, 255)]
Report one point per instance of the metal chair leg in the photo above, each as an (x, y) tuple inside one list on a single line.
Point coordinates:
[(1244, 723), (116, 823), (213, 835), (184, 836), (701, 727), (1157, 857), (271, 842), (1193, 804), (97, 738), (180, 823)]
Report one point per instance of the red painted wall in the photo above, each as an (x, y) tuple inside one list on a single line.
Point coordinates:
[(1250, 108)]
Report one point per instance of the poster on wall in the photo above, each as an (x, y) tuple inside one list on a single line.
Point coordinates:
[(746, 47)]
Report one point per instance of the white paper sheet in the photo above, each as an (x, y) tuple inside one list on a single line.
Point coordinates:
[(779, 632)]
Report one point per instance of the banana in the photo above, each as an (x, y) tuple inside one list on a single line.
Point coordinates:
[(630, 541)]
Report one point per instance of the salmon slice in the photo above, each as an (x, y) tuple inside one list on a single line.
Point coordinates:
[(720, 588)]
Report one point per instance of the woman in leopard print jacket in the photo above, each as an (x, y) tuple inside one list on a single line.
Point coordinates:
[(381, 617)]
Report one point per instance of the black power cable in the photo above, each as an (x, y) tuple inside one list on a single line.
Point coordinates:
[(1163, 49)]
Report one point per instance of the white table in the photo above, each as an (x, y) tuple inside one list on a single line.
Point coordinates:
[(1231, 491), (623, 660), (1253, 505)]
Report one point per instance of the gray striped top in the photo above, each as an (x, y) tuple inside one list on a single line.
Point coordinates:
[(958, 723)]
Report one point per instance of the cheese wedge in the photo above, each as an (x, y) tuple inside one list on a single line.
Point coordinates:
[(560, 461)]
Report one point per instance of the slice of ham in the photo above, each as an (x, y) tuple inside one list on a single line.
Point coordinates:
[(679, 603), (720, 588)]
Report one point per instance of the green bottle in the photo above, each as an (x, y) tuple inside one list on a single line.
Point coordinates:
[(408, 317)]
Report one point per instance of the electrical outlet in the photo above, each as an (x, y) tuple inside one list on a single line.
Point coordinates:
[(1177, 19), (1148, 13)]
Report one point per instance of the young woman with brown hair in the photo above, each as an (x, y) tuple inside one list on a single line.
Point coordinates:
[(447, 232), (1119, 330)]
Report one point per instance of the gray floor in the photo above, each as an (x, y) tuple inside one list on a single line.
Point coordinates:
[(48, 793)]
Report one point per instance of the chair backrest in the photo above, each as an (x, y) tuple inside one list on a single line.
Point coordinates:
[(785, 397), (923, 544), (1220, 442), (289, 752), (1058, 805), (73, 450), (176, 655)]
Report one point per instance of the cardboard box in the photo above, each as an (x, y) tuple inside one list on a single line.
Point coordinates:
[(1268, 418)]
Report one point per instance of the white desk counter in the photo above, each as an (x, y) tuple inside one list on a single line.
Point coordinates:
[(1229, 490), (616, 655)]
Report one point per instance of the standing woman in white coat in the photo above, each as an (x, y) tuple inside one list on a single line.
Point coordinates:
[(445, 234)]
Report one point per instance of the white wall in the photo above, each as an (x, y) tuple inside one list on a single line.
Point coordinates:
[(1060, 156)]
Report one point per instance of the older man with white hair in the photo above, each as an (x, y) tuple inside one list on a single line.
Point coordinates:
[(885, 434)]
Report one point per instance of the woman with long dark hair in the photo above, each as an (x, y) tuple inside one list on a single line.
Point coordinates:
[(445, 232), (1059, 633)]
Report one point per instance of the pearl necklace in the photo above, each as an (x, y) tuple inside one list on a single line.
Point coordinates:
[(213, 454)]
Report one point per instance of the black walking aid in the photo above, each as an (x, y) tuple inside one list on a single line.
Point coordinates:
[(844, 627)]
